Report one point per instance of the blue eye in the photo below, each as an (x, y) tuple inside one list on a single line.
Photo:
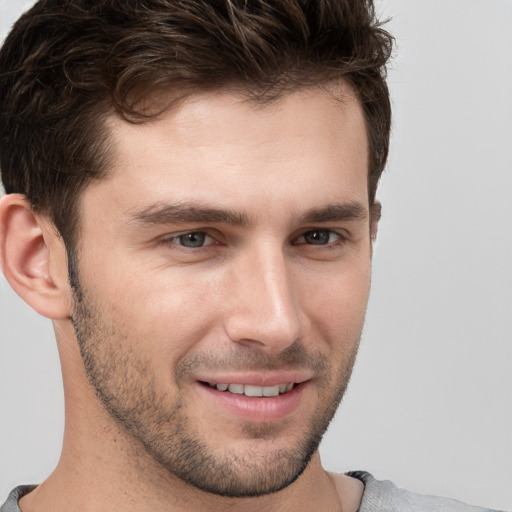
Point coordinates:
[(319, 237), (193, 240)]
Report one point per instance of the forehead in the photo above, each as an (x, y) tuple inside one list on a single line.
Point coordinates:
[(215, 146)]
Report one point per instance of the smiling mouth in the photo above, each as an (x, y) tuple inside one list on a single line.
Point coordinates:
[(252, 391)]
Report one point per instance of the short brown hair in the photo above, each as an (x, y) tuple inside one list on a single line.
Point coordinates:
[(67, 64)]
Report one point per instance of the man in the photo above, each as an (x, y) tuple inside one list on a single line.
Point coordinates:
[(191, 200)]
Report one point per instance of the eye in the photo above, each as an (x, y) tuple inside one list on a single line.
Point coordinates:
[(192, 240), (319, 237)]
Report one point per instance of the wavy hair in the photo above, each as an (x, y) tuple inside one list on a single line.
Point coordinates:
[(69, 64)]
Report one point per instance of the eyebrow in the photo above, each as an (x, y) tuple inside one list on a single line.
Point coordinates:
[(186, 212), (177, 213), (334, 213)]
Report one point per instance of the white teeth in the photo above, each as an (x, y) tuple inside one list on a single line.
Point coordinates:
[(236, 388), (271, 390), (253, 390), (249, 390)]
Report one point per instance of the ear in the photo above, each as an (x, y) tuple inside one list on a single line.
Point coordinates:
[(375, 214), (33, 258)]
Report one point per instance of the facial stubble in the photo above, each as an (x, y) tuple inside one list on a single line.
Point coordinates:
[(129, 391)]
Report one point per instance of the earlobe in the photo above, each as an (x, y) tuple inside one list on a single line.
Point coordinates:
[(33, 258)]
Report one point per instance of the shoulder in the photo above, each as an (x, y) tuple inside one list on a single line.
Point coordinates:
[(384, 496), (11, 505)]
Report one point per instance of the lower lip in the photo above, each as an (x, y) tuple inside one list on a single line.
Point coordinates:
[(257, 409)]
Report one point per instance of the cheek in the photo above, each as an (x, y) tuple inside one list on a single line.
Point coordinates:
[(336, 307), (169, 312), (165, 313)]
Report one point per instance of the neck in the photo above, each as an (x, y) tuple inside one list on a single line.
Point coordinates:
[(91, 484)]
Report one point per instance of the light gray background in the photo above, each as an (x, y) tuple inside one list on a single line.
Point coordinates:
[(430, 403)]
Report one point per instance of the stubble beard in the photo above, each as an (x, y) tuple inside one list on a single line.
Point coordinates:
[(128, 389)]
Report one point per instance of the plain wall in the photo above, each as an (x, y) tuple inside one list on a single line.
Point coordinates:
[(430, 402)]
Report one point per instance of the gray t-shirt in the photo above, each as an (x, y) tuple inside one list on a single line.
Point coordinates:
[(379, 496), (11, 505), (384, 496)]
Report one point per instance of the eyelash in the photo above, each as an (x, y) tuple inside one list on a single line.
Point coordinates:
[(340, 239), (204, 234), (329, 232)]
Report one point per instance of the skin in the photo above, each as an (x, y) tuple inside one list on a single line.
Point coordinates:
[(273, 290)]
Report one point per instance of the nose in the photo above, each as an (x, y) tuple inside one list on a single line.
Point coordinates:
[(264, 309)]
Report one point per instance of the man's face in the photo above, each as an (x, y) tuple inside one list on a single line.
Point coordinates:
[(230, 247)]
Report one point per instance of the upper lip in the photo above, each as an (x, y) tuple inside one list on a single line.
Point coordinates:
[(257, 378)]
